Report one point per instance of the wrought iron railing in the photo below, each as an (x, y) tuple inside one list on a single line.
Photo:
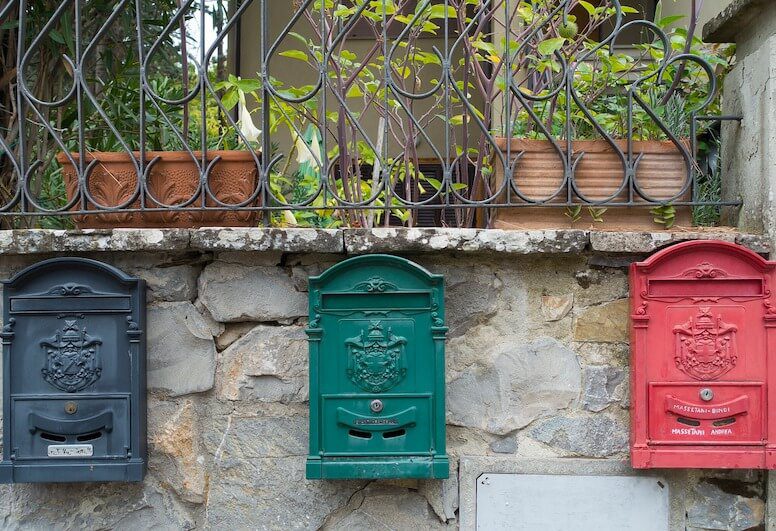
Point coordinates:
[(321, 113)]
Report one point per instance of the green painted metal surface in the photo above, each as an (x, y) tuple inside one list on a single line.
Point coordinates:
[(377, 371)]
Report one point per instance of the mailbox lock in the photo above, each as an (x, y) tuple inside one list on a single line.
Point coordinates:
[(376, 406), (706, 394), (71, 408)]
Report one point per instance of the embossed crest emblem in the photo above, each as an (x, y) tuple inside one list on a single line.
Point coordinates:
[(705, 346), (72, 362), (376, 358)]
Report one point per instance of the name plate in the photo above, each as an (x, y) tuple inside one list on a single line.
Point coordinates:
[(70, 450)]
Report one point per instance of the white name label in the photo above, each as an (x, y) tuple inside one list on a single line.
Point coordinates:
[(70, 450)]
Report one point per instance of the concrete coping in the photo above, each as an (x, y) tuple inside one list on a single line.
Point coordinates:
[(732, 20), (359, 241)]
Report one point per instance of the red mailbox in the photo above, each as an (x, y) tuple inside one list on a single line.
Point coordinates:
[(703, 362)]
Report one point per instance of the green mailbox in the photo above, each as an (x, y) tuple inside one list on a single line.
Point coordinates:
[(377, 371)]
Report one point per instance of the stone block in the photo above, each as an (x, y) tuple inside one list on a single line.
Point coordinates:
[(384, 507), (169, 284), (606, 323), (269, 363), (709, 507), (524, 382), (597, 436), (234, 293), (147, 505), (181, 350), (604, 385), (176, 454), (471, 295), (555, 308)]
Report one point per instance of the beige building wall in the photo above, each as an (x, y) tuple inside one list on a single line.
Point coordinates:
[(709, 9), (295, 73)]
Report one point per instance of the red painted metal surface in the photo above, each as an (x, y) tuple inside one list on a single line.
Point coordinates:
[(703, 358)]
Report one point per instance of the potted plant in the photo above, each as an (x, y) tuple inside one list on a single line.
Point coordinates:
[(191, 160), (573, 99)]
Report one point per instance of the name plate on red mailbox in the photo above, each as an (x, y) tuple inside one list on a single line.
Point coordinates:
[(703, 329)]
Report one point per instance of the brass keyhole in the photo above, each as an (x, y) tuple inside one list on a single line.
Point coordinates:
[(71, 408), (376, 406), (706, 394)]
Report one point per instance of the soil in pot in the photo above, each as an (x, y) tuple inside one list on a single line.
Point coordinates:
[(661, 174), (173, 180)]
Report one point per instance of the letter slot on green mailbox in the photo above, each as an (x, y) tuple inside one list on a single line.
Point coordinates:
[(377, 371)]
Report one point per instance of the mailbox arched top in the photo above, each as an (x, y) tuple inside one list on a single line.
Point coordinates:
[(54, 267), (710, 251), (364, 268)]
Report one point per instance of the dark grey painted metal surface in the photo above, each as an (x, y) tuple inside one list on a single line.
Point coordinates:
[(74, 365)]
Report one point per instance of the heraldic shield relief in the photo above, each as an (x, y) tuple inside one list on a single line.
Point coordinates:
[(376, 358), (705, 346), (72, 361)]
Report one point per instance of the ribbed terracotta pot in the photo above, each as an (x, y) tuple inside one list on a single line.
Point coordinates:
[(661, 174), (173, 180)]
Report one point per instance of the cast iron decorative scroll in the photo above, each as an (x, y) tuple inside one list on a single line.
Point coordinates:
[(376, 358), (706, 346), (447, 96), (72, 358)]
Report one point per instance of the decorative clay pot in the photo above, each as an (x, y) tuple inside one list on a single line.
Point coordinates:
[(538, 174), (173, 180)]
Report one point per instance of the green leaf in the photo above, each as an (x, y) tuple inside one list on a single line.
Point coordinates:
[(354, 92), (295, 54), (590, 8), (231, 98), (457, 120), (439, 11), (248, 85), (667, 21), (550, 46), (348, 56)]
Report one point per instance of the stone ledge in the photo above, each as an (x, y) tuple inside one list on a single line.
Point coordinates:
[(647, 242), (359, 241), (465, 240), (726, 26), (39, 241), (267, 239)]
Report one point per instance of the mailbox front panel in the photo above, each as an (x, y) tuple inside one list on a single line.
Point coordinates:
[(376, 371), (702, 334), (74, 374)]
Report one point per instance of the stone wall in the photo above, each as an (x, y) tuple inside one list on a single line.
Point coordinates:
[(537, 367), (749, 146)]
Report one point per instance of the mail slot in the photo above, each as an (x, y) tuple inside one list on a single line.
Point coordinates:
[(703, 329), (377, 371), (73, 374)]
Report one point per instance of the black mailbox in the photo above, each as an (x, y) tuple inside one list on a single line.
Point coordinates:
[(74, 385)]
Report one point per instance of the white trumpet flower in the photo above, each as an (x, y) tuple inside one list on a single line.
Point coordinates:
[(308, 154), (248, 129)]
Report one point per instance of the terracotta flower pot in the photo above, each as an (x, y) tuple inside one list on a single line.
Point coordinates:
[(173, 180), (661, 174)]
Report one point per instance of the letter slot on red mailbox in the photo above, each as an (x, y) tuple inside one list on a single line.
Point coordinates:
[(703, 358)]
